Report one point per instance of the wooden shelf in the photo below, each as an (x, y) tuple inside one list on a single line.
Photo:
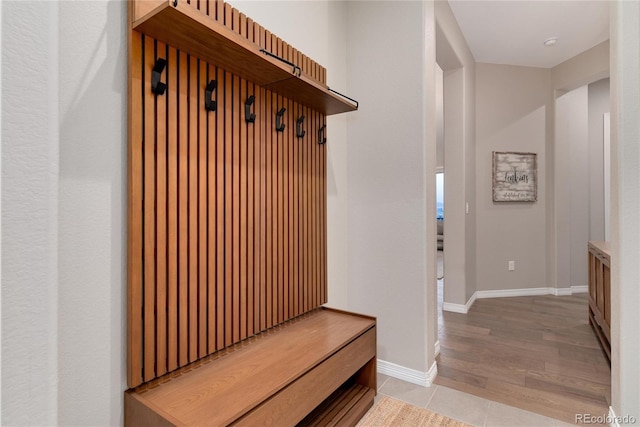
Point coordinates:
[(188, 29)]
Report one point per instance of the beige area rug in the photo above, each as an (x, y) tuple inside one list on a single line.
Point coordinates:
[(388, 412)]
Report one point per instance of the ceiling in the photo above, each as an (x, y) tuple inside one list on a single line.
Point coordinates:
[(513, 31)]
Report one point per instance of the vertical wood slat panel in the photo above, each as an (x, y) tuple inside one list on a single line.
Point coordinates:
[(193, 208), (212, 218), (277, 205), (305, 223), (269, 208), (220, 208), (290, 134), (202, 212), (318, 213), (244, 195), (172, 209), (161, 226), (228, 211), (314, 215), (235, 167), (149, 217), (262, 120), (242, 127), (325, 284), (280, 138), (183, 224), (134, 186), (263, 208), (294, 215), (318, 216), (251, 307)]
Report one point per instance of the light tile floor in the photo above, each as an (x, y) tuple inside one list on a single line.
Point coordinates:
[(462, 406)]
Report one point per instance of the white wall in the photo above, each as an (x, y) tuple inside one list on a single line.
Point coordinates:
[(572, 186), (92, 211), (588, 67), (388, 255), (64, 139), (598, 105), (318, 29), (29, 213), (625, 206), (511, 106)]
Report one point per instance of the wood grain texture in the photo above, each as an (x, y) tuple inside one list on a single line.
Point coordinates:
[(172, 209), (534, 353), (149, 226), (219, 310), (225, 217), (161, 226), (325, 347), (212, 221), (203, 246), (193, 207), (183, 218)]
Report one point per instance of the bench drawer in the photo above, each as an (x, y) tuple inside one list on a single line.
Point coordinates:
[(293, 403)]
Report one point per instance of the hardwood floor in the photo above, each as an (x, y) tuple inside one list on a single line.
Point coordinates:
[(535, 353)]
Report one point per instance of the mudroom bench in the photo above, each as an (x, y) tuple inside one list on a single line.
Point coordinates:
[(317, 369)]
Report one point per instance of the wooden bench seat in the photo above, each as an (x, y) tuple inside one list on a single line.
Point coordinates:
[(277, 378)]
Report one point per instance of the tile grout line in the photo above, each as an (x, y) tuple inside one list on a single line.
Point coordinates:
[(486, 416), (435, 390)]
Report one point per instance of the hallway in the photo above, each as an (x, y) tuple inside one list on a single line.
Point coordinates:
[(537, 353)]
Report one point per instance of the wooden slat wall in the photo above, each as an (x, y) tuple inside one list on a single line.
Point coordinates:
[(227, 223)]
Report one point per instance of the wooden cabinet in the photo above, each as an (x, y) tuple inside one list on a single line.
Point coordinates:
[(600, 292)]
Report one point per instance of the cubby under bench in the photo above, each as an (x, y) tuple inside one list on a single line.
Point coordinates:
[(317, 369)]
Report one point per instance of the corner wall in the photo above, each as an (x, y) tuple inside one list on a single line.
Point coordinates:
[(390, 265)]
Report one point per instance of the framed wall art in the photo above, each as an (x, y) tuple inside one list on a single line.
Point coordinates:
[(515, 177)]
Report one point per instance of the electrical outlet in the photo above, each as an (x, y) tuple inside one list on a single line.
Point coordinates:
[(512, 265)]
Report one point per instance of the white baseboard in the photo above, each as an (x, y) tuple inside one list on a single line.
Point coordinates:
[(425, 379), (460, 308), (432, 373), (506, 293), (436, 348)]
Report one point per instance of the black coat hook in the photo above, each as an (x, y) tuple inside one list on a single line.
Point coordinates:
[(299, 132), (249, 117), (279, 125), (157, 86), (209, 103), (321, 138)]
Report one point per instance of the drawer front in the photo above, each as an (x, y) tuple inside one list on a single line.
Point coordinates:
[(294, 402)]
